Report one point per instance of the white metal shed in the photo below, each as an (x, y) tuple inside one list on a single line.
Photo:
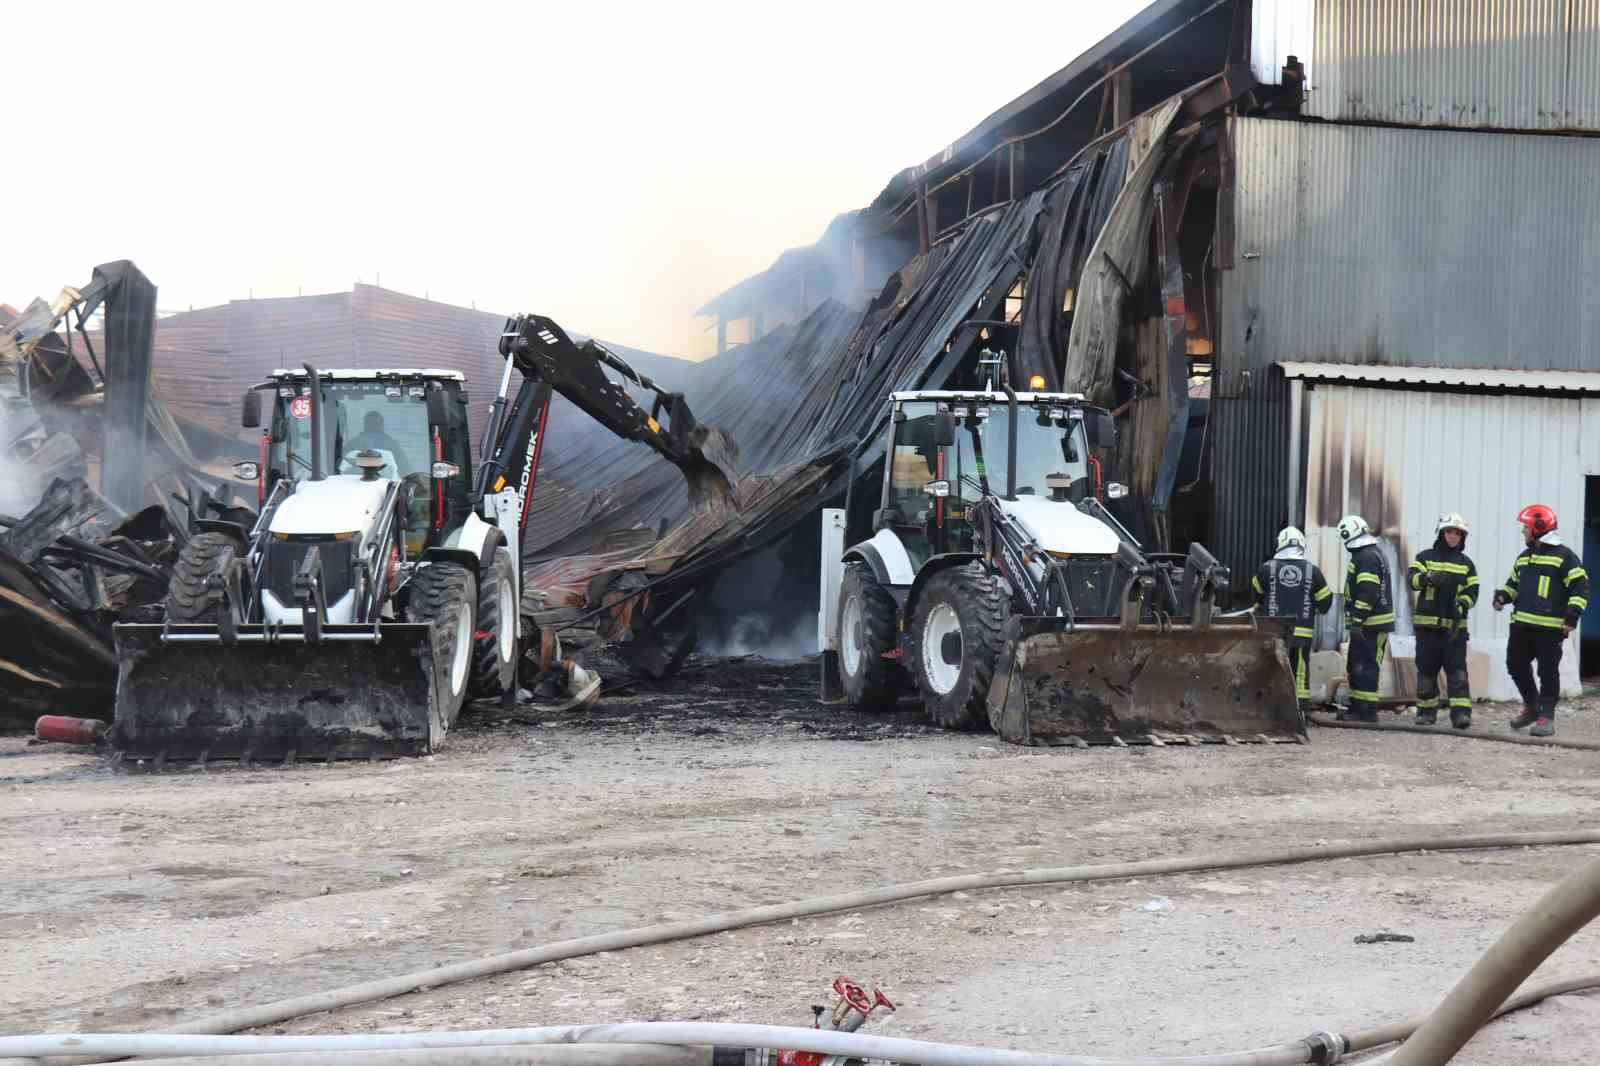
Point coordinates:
[(1402, 445)]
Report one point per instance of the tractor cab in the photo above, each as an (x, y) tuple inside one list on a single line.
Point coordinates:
[(950, 449), (406, 426)]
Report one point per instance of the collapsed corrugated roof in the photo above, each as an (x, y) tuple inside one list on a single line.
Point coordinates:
[(803, 400)]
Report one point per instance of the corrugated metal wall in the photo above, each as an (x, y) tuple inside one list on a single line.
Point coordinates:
[(1382, 246), (1402, 457), (1523, 64), (1251, 496), (1388, 246)]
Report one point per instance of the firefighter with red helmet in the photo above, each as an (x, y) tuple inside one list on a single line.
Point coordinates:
[(1446, 583), (1369, 612), (1548, 591)]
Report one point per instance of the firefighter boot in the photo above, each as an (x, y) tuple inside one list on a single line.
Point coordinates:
[(1525, 719), (1427, 716), (1544, 727), (1461, 718)]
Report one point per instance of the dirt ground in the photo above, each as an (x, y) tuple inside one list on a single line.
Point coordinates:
[(134, 901)]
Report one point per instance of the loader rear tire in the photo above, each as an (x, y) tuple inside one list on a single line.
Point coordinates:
[(445, 595), (867, 630), (494, 653), (957, 630), (189, 600)]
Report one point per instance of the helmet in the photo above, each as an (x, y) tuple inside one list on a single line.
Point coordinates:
[(1290, 536), (1538, 518), (1452, 521), (1352, 526)]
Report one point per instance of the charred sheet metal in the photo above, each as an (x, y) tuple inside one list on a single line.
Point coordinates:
[(1478, 64), (801, 400), (1116, 263), (1401, 457), (130, 314), (68, 567), (1074, 212)]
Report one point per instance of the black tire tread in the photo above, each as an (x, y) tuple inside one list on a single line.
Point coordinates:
[(437, 591), (983, 611), (188, 598), (490, 677), (880, 681)]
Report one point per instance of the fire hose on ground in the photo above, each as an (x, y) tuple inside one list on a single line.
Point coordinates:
[(1562, 911)]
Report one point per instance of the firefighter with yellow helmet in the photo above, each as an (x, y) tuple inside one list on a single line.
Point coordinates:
[(1369, 613), (1446, 583)]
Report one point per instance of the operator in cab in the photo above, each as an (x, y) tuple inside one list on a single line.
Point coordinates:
[(373, 436), (1289, 585)]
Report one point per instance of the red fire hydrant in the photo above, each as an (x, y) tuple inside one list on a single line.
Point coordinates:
[(848, 1015)]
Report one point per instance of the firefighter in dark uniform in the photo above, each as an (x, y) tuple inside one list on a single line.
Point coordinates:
[(1548, 591), (1288, 585), (1446, 584), (1369, 612)]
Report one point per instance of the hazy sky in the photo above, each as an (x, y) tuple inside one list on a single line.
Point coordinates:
[(612, 164)]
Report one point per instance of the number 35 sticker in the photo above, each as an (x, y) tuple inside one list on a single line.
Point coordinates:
[(300, 407)]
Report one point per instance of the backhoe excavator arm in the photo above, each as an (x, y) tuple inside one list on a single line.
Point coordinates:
[(550, 361)]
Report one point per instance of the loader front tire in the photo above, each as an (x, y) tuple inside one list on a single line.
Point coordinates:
[(494, 653), (866, 631), (190, 598), (957, 630), (445, 596)]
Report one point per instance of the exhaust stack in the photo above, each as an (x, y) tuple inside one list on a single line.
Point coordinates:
[(317, 473)]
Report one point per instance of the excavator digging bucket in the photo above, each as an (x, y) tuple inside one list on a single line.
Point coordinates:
[(1103, 684), (713, 471), (185, 695)]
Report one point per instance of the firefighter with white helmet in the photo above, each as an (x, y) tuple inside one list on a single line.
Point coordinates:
[(1446, 583), (1369, 612), (1289, 585), (1548, 591)]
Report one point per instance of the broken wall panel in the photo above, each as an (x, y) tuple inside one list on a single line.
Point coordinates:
[(1075, 210), (130, 314), (1116, 264)]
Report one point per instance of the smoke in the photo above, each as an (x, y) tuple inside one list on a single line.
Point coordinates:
[(784, 637), (765, 605), (32, 454)]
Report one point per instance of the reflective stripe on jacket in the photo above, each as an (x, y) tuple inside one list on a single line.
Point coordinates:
[(1368, 603), (1548, 587), (1444, 604)]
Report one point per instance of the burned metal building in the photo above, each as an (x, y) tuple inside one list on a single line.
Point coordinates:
[(1320, 256)]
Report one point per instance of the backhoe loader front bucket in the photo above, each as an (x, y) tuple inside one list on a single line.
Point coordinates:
[(185, 693), (1228, 681)]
